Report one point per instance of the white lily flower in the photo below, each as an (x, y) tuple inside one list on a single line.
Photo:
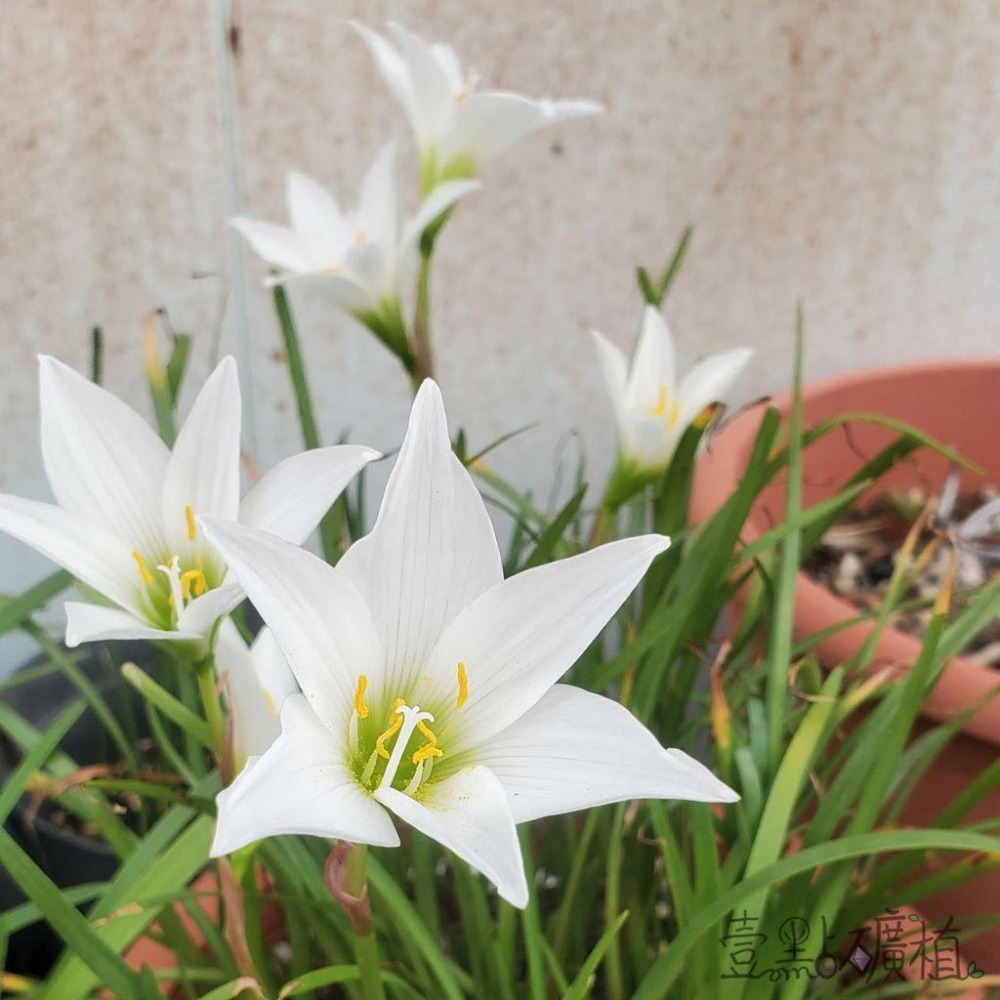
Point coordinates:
[(459, 130), (124, 518), (256, 680), (358, 254), (652, 409), (429, 681)]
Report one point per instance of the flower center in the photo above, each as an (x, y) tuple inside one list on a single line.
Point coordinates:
[(169, 594), (404, 721), (666, 407), (402, 754)]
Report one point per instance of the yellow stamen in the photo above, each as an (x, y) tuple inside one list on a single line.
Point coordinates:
[(660, 408), (193, 581), (189, 517), (359, 697), (147, 577), (331, 270), (429, 749), (463, 685), (361, 237), (395, 722), (675, 414)]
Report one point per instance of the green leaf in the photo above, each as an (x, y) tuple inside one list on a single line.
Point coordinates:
[(36, 758), (544, 550), (14, 610), (668, 966), (171, 707), (96, 958), (580, 987)]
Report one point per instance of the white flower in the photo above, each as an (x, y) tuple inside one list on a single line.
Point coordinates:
[(459, 130), (429, 681), (124, 519), (651, 409), (358, 254), (256, 681)]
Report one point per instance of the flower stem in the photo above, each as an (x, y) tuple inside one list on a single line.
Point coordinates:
[(205, 672), (365, 945), (604, 526), (423, 351), (332, 523)]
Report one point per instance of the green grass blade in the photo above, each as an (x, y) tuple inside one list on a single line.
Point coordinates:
[(93, 953)]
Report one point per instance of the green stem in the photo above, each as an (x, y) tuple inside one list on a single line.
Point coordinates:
[(604, 526), (205, 673), (365, 945), (423, 351), (614, 979), (303, 402)]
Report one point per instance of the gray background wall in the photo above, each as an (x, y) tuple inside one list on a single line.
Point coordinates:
[(841, 152)]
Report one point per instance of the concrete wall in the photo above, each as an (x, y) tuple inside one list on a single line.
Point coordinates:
[(844, 153)]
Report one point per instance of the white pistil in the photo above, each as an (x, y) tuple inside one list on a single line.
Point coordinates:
[(412, 717)]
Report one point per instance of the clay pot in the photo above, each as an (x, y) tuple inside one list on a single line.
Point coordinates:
[(957, 403)]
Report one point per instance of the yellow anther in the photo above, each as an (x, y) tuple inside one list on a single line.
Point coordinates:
[(191, 526), (660, 409), (359, 697), (395, 722), (331, 270), (463, 685), (147, 577), (675, 414), (429, 749), (361, 237), (193, 582)]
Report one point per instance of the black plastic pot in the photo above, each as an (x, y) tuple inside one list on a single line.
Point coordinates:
[(67, 857)]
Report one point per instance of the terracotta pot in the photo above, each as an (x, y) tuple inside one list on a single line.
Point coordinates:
[(958, 403), (146, 952)]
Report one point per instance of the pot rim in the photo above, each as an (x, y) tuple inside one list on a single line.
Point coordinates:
[(963, 681)]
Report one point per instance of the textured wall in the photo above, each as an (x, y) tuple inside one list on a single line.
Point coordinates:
[(841, 152)]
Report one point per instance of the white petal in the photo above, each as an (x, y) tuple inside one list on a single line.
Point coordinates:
[(341, 290), (257, 681), (575, 750), (372, 267), (652, 369), (315, 215), (649, 442), (430, 83), (438, 201), (101, 457), (520, 637), (377, 211), (277, 245), (614, 367), (981, 523), (709, 381), (204, 469), (203, 612), (487, 123), (301, 785), (448, 60), (93, 623), (319, 620), (77, 543), (291, 498), (469, 814), (394, 71), (432, 550)]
